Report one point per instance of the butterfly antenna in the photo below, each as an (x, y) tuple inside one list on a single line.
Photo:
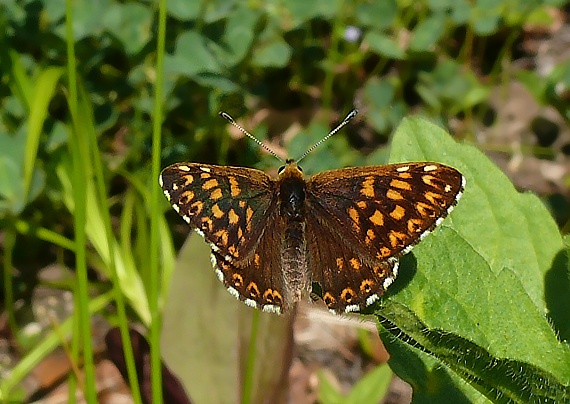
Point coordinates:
[(249, 135), (351, 115)]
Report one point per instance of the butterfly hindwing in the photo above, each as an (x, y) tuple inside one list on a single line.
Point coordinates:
[(257, 281), (348, 281)]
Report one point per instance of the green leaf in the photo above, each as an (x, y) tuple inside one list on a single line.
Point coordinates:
[(372, 388), (273, 54), (219, 82), (239, 33), (328, 393), (451, 87), (334, 153), (193, 55), (558, 87), (386, 109), (184, 10), (517, 13), (377, 14), (302, 11), (473, 309), (11, 190), (427, 33), (217, 10), (12, 146), (461, 12), (131, 24), (384, 45), (131, 284), (87, 17), (54, 10), (486, 16), (440, 5), (44, 90)]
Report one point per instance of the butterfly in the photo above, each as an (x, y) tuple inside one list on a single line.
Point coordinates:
[(343, 231)]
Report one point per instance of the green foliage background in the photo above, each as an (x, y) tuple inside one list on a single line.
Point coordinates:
[(77, 183)]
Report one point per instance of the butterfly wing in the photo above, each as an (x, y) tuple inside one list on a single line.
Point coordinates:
[(234, 208), (226, 205), (258, 281), (372, 215), (347, 281)]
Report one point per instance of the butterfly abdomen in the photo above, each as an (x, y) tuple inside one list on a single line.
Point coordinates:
[(296, 276), (292, 211)]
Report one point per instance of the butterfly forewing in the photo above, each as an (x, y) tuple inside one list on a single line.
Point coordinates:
[(382, 211), (227, 205)]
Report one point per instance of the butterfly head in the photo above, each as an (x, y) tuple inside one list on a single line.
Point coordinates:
[(290, 167)]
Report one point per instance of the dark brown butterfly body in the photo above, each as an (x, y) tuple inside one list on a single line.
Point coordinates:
[(344, 229)]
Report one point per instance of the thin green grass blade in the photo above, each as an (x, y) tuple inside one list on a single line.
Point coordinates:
[(155, 283), (44, 89), (79, 151)]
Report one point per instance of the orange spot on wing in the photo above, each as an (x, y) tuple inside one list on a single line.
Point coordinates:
[(233, 217), (425, 210), (400, 185), (385, 252), (398, 213), (355, 216), (370, 235), (347, 295), (235, 190), (367, 188), (397, 238), (196, 208), (414, 225), (210, 184), (355, 263), (433, 198), (377, 218), (248, 216), (222, 236), (394, 195), (217, 212), (216, 194)]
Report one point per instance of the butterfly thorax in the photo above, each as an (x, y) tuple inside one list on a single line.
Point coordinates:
[(292, 192), (291, 189)]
